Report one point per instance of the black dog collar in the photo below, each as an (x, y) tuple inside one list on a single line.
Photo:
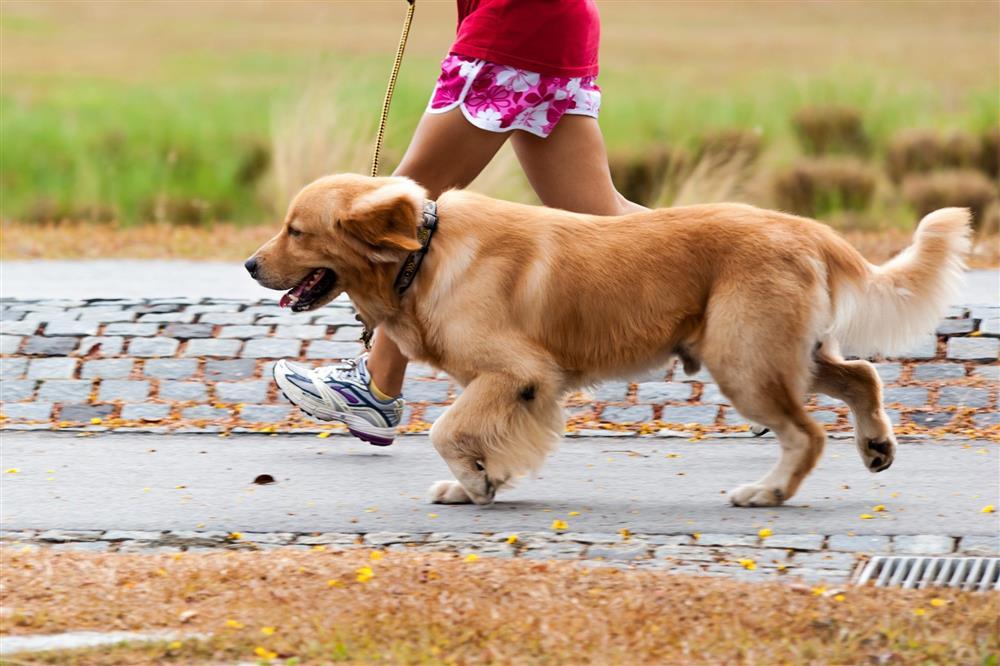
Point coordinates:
[(425, 232)]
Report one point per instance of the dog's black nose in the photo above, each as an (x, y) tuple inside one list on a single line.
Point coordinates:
[(251, 266)]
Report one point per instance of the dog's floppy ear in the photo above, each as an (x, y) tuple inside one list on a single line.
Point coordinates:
[(385, 219)]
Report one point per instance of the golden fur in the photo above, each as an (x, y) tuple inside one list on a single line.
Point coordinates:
[(522, 304)]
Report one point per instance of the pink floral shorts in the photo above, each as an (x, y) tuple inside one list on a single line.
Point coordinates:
[(500, 98)]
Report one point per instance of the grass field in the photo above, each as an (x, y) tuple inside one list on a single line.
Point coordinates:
[(182, 112), (319, 607)]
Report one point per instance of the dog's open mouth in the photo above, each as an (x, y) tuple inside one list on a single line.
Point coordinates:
[(311, 289)]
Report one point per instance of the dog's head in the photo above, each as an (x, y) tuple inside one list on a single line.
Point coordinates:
[(341, 233)]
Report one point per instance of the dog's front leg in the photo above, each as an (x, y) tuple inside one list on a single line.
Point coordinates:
[(500, 426)]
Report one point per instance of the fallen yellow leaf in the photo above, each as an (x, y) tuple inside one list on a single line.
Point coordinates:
[(765, 532)]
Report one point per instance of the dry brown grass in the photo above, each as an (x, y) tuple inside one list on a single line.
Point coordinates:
[(831, 129), (816, 187), (436, 608), (920, 150), (955, 187)]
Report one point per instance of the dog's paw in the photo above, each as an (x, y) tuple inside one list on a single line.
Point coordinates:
[(756, 495), (448, 492), (877, 455)]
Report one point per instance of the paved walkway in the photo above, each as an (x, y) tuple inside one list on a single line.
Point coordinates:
[(137, 492)]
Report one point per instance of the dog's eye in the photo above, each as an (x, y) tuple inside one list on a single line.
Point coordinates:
[(293, 232)]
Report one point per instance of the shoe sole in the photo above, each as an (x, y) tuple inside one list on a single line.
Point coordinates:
[(315, 409)]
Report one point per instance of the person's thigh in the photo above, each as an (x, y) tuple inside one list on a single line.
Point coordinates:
[(569, 168), (448, 151)]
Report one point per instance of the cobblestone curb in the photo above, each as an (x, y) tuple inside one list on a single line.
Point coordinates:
[(810, 557), (205, 364)]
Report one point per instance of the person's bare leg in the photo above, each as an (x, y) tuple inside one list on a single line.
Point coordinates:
[(569, 168), (446, 151)]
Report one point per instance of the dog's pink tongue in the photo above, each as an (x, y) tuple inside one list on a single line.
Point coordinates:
[(292, 297)]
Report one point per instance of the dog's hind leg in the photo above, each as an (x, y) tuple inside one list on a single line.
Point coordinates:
[(501, 426), (857, 384)]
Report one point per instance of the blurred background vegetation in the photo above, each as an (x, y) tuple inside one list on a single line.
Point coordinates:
[(863, 114)]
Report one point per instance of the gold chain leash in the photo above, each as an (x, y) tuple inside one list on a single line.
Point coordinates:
[(392, 85)]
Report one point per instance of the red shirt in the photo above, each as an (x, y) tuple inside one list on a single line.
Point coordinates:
[(551, 37)]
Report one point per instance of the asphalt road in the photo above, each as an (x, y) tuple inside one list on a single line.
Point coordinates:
[(188, 482)]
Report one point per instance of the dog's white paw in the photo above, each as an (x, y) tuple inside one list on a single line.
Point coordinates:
[(753, 494), (448, 492)]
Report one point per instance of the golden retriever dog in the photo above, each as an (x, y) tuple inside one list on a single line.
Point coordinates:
[(523, 304)]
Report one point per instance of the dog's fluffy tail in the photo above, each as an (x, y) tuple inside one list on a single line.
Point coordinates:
[(888, 309)]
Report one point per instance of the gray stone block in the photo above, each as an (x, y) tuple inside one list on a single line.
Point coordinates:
[(660, 392), (272, 348), (148, 347), (170, 368), (990, 327), (795, 541), (205, 413), (228, 370), (226, 318), (858, 543), (15, 390), (611, 392), (44, 346), (52, 368), (251, 391), (168, 318), (950, 327), (27, 411), (973, 349), (268, 310), (101, 346), (929, 419), (145, 412), (689, 414), (986, 419), (632, 414), (348, 333), (188, 331), (425, 390), (980, 545), (68, 391), (61, 536), (728, 540), (182, 391), (130, 535), (909, 396), (109, 368), (12, 368), (843, 561), (301, 331), (244, 332), (889, 372), (329, 350), (71, 327), (964, 396), (711, 395), (132, 330), (824, 416), (937, 371), (988, 372), (83, 413), (212, 347), (925, 348), (337, 317), (923, 544), (123, 389), (20, 327), (264, 413), (622, 551), (432, 414), (9, 344)]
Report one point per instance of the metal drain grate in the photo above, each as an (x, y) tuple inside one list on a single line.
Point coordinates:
[(965, 573)]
